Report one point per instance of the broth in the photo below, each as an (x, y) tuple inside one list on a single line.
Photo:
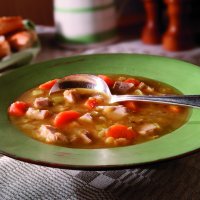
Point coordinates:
[(79, 118)]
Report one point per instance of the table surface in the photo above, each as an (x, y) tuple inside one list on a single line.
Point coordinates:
[(177, 179)]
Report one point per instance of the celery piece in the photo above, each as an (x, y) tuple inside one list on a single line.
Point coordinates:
[(101, 133), (109, 140), (58, 100), (138, 92), (37, 92)]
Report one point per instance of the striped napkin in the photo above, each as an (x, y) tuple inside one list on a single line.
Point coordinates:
[(178, 179)]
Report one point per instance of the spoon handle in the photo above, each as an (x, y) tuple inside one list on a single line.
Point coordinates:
[(184, 100)]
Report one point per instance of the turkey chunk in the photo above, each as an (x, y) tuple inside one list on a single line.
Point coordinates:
[(148, 128), (71, 96), (86, 118), (41, 102), (122, 87), (33, 113), (114, 112), (85, 136), (50, 134)]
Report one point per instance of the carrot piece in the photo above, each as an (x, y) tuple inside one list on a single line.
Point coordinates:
[(107, 79), (91, 103), (18, 108), (132, 80), (175, 109), (120, 131), (48, 85), (65, 117), (131, 105)]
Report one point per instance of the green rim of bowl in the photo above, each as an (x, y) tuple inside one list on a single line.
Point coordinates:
[(182, 75)]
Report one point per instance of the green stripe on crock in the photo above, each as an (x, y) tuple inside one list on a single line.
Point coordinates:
[(86, 39), (80, 10)]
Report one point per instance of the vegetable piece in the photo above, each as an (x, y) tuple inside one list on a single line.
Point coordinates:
[(109, 140), (18, 108), (107, 79), (121, 141), (65, 117), (175, 109), (138, 92), (131, 105), (149, 89), (57, 100), (132, 80), (121, 131), (48, 85), (37, 92), (142, 85), (91, 103)]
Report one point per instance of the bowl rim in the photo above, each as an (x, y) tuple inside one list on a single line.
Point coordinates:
[(95, 167)]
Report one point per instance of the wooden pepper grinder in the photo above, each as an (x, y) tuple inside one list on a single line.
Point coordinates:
[(179, 35), (151, 33)]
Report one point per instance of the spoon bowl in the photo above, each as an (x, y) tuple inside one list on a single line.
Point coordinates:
[(86, 81), (93, 82)]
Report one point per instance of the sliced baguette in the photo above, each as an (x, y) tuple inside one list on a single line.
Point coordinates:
[(22, 40), (10, 24), (4, 47)]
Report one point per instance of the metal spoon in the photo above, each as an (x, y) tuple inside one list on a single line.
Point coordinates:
[(94, 82)]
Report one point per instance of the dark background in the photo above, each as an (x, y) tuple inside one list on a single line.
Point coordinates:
[(41, 11), (131, 14)]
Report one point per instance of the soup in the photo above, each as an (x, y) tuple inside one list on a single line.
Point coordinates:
[(83, 118)]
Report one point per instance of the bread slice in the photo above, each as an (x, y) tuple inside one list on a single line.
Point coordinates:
[(4, 47), (22, 40), (10, 24)]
